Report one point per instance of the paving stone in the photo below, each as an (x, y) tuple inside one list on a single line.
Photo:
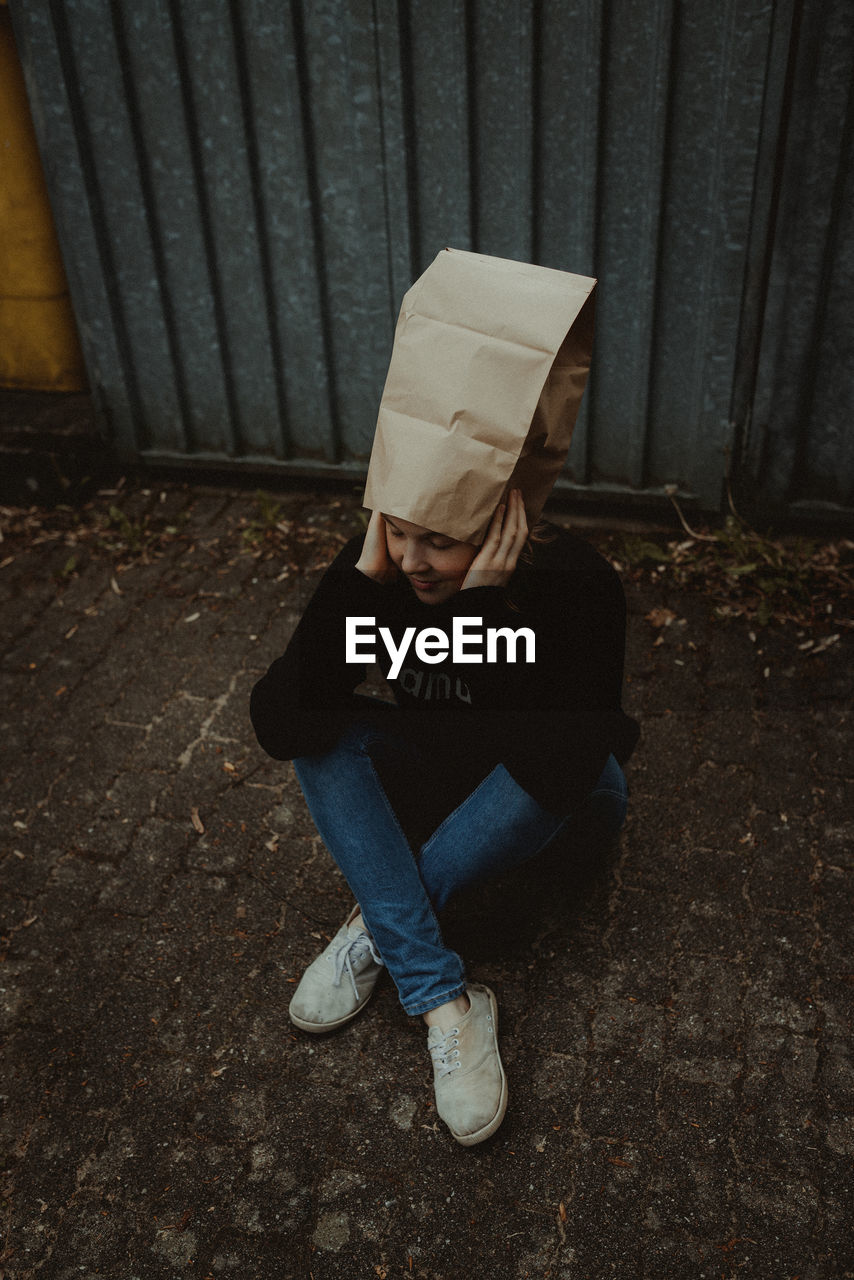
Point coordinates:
[(675, 1018)]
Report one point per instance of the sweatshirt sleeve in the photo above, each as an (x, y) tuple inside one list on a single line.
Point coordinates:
[(573, 719), (306, 699)]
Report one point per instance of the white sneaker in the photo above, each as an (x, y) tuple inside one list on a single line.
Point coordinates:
[(469, 1080), (324, 999)]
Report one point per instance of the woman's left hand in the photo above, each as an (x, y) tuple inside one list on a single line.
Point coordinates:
[(508, 531)]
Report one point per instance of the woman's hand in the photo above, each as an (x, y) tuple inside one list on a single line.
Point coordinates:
[(508, 531), (374, 561)]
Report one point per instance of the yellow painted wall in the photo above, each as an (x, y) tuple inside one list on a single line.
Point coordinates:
[(39, 350)]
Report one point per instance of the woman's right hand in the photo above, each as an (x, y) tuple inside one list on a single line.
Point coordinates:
[(374, 562)]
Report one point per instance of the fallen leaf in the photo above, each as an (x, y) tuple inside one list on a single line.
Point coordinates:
[(824, 644), (660, 617)]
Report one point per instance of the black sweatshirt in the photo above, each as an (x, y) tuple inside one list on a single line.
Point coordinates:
[(552, 723)]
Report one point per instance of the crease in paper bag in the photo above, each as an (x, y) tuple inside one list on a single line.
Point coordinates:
[(514, 428)]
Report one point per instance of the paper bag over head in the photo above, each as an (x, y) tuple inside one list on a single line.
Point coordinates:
[(489, 365)]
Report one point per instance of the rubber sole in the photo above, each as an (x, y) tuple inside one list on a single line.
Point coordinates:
[(320, 1028)]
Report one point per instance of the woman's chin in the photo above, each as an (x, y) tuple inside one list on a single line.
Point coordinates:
[(432, 592)]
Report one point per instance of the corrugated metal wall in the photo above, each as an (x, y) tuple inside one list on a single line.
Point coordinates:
[(245, 188), (800, 443)]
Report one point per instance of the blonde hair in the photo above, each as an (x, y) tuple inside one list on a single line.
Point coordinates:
[(542, 532)]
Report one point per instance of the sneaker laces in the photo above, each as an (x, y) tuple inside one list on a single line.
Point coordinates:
[(444, 1050), (353, 950)]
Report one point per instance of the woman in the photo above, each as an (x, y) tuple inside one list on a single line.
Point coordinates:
[(477, 766)]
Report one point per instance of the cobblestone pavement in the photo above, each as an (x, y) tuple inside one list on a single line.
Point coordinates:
[(676, 1030)]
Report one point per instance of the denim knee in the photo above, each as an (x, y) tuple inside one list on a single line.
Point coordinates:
[(371, 751), (360, 737)]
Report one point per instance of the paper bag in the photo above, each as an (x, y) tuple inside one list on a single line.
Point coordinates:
[(489, 364)]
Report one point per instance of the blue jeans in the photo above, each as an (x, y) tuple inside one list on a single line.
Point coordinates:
[(496, 827)]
